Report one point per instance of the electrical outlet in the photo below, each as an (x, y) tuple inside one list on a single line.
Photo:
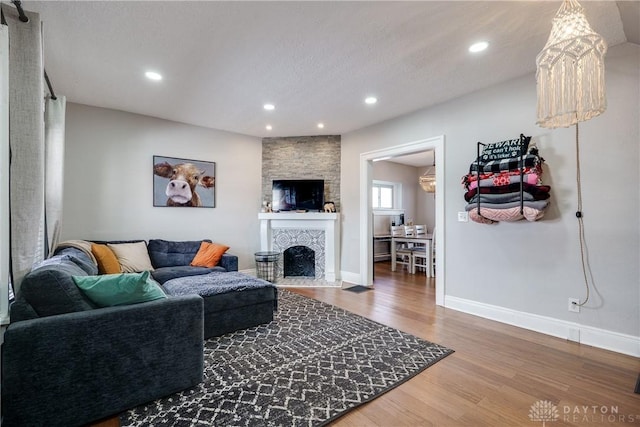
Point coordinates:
[(573, 305), (463, 216)]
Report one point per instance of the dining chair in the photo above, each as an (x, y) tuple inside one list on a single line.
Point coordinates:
[(409, 230), (419, 251), (433, 252), (403, 251), (420, 231), (419, 257)]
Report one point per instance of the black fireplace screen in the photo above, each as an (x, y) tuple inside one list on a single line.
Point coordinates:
[(299, 261)]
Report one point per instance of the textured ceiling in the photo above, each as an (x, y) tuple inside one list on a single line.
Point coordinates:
[(316, 61)]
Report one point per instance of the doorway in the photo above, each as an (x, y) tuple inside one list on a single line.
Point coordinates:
[(366, 230)]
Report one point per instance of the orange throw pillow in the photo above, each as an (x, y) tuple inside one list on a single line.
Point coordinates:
[(107, 260), (209, 255)]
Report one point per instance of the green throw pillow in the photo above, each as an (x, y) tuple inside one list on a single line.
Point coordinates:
[(108, 290)]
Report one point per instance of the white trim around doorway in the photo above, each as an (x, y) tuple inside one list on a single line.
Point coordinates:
[(366, 230)]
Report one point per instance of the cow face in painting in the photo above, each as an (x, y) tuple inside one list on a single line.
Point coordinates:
[(183, 180)]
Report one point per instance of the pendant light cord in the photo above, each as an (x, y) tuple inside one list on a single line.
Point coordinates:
[(580, 219)]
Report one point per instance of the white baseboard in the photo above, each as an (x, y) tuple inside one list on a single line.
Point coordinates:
[(601, 338), (349, 277), (249, 271), (588, 335)]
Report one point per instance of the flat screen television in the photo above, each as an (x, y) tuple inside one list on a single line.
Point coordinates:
[(298, 194)]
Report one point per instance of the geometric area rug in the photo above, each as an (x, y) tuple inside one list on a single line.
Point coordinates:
[(312, 364)]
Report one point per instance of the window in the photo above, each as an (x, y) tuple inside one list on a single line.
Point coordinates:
[(384, 195)]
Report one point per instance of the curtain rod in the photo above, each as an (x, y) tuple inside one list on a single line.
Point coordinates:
[(24, 18), (21, 14), (46, 78)]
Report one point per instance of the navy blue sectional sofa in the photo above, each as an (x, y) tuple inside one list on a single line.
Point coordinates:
[(66, 362)]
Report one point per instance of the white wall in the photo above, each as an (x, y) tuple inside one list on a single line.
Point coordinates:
[(109, 178), (396, 172), (531, 267)]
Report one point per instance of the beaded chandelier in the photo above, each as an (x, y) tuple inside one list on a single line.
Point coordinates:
[(428, 181), (570, 70)]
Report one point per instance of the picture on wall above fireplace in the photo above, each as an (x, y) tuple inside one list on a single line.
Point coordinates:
[(183, 183)]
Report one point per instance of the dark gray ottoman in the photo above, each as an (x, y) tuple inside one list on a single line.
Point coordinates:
[(232, 300)]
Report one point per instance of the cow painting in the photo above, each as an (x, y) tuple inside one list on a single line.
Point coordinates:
[(183, 180)]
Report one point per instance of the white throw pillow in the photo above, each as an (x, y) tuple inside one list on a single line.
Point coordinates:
[(133, 257)]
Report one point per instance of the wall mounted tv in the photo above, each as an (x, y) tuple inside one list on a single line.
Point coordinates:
[(298, 194)]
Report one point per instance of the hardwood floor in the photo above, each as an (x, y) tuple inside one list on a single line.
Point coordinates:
[(496, 373)]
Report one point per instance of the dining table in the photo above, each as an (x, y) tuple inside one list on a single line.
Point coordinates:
[(422, 240)]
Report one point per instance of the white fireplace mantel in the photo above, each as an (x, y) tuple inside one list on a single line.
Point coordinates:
[(328, 222)]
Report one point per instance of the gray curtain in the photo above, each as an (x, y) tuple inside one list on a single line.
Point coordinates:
[(4, 175), (26, 139), (54, 114)]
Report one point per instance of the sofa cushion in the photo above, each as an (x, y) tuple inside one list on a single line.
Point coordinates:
[(109, 290), (166, 253), (64, 257), (209, 254), (80, 258), (216, 283), (50, 289), (107, 260), (163, 274), (232, 300), (133, 257), (20, 309), (229, 262)]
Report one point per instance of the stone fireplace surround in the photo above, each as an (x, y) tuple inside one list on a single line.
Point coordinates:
[(317, 231)]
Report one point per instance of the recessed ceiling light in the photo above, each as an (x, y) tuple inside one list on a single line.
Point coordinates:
[(269, 107), (152, 75), (371, 100), (321, 125), (268, 127), (478, 47)]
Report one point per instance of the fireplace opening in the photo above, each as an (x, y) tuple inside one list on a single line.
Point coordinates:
[(299, 261)]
